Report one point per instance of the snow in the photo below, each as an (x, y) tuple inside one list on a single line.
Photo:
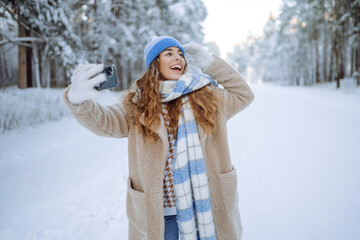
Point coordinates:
[(295, 150), (298, 162), (62, 183)]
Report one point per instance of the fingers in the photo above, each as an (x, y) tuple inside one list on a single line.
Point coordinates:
[(198, 55), (97, 79), (78, 68), (81, 70), (92, 69)]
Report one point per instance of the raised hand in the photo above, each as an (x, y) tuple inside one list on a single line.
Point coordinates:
[(83, 81), (197, 55)]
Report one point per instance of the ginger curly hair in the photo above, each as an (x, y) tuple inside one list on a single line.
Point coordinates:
[(146, 97)]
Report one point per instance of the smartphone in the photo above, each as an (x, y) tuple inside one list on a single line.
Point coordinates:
[(111, 80)]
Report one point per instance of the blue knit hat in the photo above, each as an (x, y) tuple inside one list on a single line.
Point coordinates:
[(156, 45)]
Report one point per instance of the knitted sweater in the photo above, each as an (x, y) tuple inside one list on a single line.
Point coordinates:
[(169, 196)]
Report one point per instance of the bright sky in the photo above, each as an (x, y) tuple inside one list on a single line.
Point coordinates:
[(230, 21)]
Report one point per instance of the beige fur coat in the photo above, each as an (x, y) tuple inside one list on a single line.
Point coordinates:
[(144, 202)]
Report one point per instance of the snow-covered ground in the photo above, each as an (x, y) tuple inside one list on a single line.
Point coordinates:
[(296, 151)]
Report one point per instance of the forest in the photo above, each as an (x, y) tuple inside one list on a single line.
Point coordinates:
[(294, 150), (309, 42), (42, 41)]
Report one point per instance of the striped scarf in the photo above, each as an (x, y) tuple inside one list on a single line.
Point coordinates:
[(193, 206)]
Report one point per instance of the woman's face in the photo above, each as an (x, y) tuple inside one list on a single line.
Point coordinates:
[(171, 63)]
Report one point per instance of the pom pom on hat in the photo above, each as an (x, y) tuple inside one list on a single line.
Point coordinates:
[(156, 45)]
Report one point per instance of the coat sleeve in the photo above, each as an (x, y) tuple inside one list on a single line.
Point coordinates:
[(108, 121), (236, 94)]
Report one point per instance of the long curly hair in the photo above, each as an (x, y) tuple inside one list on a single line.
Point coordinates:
[(146, 97)]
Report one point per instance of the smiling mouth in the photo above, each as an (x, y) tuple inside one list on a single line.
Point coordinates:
[(176, 68)]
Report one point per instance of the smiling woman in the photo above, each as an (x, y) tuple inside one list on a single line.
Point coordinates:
[(181, 180), (171, 63)]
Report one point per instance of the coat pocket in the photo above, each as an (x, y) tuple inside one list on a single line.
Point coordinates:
[(228, 183), (136, 210)]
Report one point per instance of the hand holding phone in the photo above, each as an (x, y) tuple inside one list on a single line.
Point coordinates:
[(111, 80)]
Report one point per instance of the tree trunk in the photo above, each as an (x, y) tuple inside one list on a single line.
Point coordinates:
[(325, 34), (337, 57), (3, 66), (45, 70), (342, 54), (317, 66), (35, 55), (30, 79), (352, 60), (22, 72), (337, 64), (331, 65), (357, 64), (325, 56), (336, 42), (337, 68)]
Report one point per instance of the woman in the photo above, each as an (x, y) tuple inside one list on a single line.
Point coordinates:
[(175, 123)]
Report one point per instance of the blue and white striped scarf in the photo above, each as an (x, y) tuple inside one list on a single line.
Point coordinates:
[(194, 214)]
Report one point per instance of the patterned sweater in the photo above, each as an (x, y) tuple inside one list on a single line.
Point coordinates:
[(169, 196)]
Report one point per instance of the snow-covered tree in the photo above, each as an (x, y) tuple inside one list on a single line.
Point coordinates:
[(8, 53), (311, 41), (105, 31), (49, 22), (117, 31)]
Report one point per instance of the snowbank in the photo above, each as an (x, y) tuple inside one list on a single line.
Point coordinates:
[(29, 107), (32, 106)]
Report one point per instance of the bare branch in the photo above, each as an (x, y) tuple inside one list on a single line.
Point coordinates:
[(19, 40)]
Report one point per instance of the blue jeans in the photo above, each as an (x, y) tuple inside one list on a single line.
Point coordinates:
[(171, 228)]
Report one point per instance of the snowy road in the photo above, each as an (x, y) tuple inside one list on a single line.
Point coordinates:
[(295, 149)]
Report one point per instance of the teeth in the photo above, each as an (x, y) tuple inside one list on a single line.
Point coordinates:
[(177, 66)]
